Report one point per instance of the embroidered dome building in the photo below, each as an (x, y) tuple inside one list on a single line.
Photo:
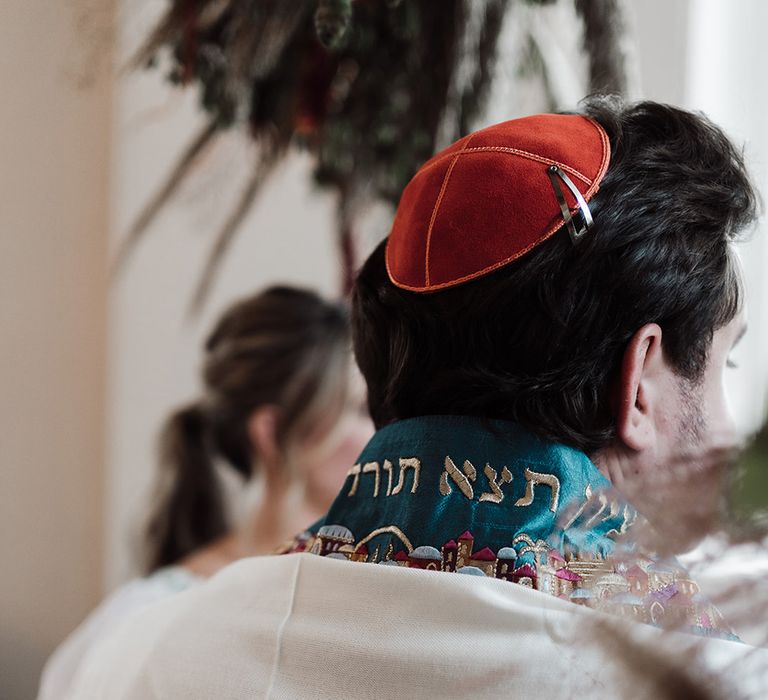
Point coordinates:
[(638, 580), (401, 558), (450, 555), (609, 585), (485, 560), (331, 538), (582, 596), (565, 581), (465, 546), (525, 575), (505, 563), (425, 557), (628, 605)]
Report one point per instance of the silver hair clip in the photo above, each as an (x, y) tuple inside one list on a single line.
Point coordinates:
[(556, 175)]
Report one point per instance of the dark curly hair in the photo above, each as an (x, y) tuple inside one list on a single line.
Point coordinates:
[(540, 341)]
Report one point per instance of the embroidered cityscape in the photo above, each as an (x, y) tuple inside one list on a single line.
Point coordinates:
[(644, 590), (647, 591)]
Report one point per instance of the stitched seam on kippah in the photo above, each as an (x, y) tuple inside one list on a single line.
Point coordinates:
[(437, 206), (606, 155), (594, 186), (533, 156), (490, 268), (516, 152)]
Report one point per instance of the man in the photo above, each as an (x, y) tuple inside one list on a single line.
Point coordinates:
[(545, 328)]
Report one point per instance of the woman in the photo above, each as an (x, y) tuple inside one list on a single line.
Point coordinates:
[(283, 409)]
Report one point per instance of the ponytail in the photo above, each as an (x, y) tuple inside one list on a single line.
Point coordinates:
[(190, 511), (284, 347)]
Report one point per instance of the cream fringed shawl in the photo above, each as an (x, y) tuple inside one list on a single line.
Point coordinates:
[(302, 626)]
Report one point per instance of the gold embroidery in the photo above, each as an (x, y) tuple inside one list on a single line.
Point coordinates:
[(522, 537), (461, 479), (603, 501), (330, 538), (382, 530), (373, 467), (496, 496), (629, 516), (408, 463), (532, 478), (537, 549), (642, 589), (355, 472), (388, 552), (465, 545), (587, 498), (388, 469)]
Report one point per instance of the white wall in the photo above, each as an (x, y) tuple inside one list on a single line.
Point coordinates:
[(662, 34), (54, 137), (711, 56), (727, 60)]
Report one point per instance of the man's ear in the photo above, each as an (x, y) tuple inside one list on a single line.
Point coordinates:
[(640, 388), (262, 432)]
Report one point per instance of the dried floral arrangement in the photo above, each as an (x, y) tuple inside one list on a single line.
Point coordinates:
[(372, 88)]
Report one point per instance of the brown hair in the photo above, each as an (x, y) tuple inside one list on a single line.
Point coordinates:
[(284, 347)]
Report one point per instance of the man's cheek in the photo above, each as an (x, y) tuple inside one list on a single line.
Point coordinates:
[(720, 421)]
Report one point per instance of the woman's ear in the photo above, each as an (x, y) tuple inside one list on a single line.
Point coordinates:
[(641, 386), (262, 433)]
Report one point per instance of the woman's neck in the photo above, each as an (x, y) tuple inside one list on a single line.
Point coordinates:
[(280, 515), (277, 519)]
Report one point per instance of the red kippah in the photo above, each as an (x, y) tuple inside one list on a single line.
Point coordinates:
[(488, 199)]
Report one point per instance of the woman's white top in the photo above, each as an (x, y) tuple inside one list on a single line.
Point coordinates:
[(301, 626), (125, 602)]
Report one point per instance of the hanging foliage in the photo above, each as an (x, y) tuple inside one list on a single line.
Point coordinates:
[(370, 87)]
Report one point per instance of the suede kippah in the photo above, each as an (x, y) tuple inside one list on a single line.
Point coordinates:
[(492, 196)]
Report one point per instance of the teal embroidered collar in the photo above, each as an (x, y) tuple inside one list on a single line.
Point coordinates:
[(425, 481), (488, 498)]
